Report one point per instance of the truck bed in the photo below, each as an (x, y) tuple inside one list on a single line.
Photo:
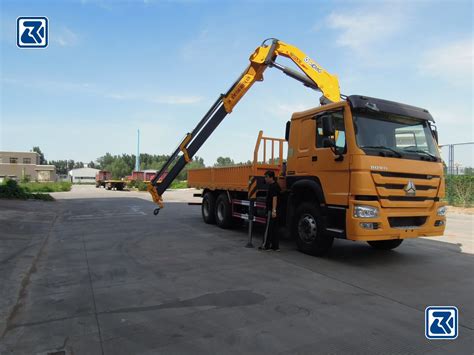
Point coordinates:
[(232, 178), (237, 177)]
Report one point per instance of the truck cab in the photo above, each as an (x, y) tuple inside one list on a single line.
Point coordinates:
[(363, 169)]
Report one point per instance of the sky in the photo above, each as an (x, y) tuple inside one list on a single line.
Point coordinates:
[(112, 67)]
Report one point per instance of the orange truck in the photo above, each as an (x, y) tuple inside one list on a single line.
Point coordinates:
[(357, 167)]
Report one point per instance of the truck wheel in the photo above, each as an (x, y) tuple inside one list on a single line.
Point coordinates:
[(385, 244), (223, 212), (208, 208), (309, 231)]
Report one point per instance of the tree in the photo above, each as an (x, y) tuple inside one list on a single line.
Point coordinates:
[(61, 166), (92, 165), (42, 159), (224, 161), (119, 169)]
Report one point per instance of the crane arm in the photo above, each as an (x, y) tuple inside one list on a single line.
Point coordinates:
[(264, 56)]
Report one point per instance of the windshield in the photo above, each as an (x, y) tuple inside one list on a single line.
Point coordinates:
[(391, 135)]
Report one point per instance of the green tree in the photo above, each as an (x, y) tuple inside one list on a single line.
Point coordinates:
[(42, 159), (61, 166), (224, 161), (70, 164), (119, 169), (92, 165)]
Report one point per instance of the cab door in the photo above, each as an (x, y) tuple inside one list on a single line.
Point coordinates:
[(330, 161)]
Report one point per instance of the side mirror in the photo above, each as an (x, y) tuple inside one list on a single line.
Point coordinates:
[(434, 131), (328, 126), (287, 131)]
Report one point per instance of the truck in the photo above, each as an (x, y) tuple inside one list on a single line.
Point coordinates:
[(104, 178), (357, 167)]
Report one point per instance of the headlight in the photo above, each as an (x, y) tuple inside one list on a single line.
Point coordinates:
[(442, 211), (365, 211)]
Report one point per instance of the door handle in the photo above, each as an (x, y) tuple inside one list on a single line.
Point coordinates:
[(314, 158)]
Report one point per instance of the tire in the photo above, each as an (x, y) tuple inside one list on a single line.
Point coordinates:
[(385, 244), (223, 212), (308, 230), (208, 208)]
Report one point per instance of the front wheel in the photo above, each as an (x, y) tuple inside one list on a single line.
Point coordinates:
[(385, 244), (309, 231)]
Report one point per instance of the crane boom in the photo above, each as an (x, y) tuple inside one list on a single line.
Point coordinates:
[(264, 56)]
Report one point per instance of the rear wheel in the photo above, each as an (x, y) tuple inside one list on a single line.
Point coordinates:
[(385, 244), (223, 212), (208, 208), (309, 230)]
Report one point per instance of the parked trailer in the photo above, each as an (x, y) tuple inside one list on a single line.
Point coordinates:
[(104, 178)]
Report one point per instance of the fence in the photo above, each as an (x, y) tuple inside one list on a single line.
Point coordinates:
[(459, 158)]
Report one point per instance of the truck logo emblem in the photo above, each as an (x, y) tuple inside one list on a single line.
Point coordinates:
[(410, 189)]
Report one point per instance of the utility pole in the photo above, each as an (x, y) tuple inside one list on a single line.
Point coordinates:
[(137, 160)]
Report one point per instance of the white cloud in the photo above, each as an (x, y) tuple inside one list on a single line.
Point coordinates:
[(358, 30), (92, 89), (65, 37), (451, 62)]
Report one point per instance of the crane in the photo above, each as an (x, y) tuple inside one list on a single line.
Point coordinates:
[(314, 77)]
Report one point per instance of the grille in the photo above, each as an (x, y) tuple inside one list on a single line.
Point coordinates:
[(405, 175), (401, 222)]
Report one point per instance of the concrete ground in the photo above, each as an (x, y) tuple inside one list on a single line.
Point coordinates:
[(95, 272)]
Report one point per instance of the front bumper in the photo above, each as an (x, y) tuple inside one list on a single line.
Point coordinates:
[(354, 230)]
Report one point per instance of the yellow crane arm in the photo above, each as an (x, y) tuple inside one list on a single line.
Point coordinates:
[(264, 56)]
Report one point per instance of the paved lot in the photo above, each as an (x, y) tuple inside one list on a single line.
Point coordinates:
[(96, 273)]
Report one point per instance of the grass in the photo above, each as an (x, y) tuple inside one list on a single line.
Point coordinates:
[(11, 190), (141, 186), (46, 186), (179, 184)]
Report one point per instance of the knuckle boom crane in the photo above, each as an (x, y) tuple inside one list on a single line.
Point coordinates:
[(314, 77)]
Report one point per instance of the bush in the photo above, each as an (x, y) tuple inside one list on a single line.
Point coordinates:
[(11, 190), (46, 186), (140, 185), (460, 190)]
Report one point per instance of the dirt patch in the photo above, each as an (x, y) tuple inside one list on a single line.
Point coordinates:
[(461, 210)]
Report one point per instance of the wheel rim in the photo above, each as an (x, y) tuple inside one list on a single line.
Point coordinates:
[(220, 211), (205, 208), (307, 228)]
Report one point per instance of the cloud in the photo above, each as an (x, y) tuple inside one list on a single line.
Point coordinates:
[(177, 100), (65, 37), (92, 89), (451, 62), (359, 30), (285, 110)]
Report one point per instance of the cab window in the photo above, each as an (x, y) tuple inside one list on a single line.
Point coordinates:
[(339, 138)]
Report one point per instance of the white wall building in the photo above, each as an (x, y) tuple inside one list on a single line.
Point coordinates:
[(83, 175)]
